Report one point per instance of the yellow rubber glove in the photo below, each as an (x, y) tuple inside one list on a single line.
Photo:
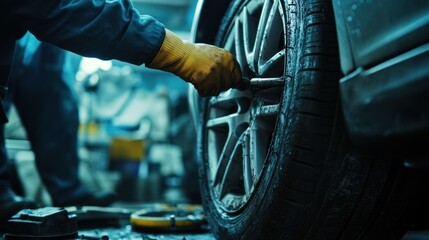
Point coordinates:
[(210, 69)]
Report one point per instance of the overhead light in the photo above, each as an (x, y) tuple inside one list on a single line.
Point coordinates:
[(91, 65)]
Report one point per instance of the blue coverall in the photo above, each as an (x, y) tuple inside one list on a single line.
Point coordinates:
[(94, 28), (43, 71)]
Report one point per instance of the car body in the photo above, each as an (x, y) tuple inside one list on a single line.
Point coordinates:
[(384, 56)]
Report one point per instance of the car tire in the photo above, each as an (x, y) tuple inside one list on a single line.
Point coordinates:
[(307, 180)]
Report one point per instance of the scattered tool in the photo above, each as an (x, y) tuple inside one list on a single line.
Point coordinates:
[(42, 223), (261, 83), (170, 218), (93, 216)]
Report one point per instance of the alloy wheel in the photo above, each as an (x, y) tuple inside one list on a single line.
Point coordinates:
[(240, 124)]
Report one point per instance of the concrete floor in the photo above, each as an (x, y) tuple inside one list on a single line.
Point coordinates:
[(128, 233), (204, 234), (105, 227), (104, 234), (114, 223)]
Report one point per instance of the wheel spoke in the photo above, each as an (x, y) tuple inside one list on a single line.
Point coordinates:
[(231, 127), (260, 135), (240, 53), (221, 122), (230, 180), (248, 39), (272, 65), (225, 159), (248, 167), (228, 99), (266, 9), (269, 53)]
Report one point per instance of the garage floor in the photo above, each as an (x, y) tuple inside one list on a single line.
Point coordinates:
[(113, 223), (126, 232), (105, 227)]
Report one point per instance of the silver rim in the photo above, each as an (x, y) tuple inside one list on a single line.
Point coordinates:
[(240, 124)]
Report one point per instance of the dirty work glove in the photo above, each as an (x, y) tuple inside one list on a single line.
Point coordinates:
[(210, 69)]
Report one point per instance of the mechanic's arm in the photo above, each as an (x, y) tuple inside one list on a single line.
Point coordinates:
[(114, 29)]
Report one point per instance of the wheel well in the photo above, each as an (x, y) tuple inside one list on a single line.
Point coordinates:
[(207, 20)]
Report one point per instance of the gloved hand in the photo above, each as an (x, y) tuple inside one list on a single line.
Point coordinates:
[(210, 69)]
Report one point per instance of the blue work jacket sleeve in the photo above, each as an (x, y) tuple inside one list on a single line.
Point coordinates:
[(105, 29)]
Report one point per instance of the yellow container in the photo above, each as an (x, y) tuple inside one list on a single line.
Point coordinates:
[(127, 149)]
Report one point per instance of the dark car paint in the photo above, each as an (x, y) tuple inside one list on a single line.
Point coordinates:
[(384, 55), (388, 103), (371, 32)]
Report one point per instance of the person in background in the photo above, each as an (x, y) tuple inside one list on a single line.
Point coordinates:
[(41, 89), (103, 29)]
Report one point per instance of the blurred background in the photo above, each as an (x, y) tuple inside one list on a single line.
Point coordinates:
[(135, 135)]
